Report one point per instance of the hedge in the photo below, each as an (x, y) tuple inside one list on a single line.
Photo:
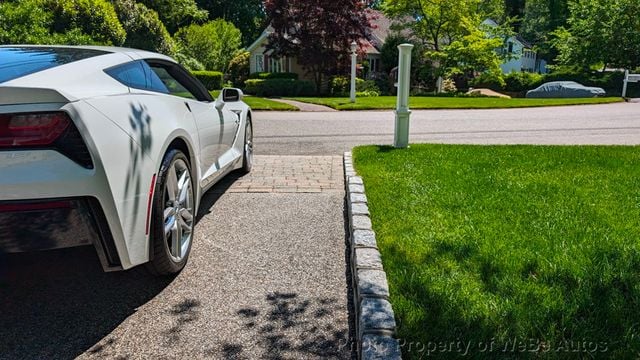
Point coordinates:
[(212, 80), (279, 87), (341, 86), (268, 76), (518, 83)]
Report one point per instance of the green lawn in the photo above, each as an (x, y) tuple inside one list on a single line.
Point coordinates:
[(258, 103), (508, 244), (389, 102)]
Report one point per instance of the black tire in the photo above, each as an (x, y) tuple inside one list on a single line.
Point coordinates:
[(162, 262), (247, 150)]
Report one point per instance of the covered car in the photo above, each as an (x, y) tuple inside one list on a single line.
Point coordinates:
[(565, 89)]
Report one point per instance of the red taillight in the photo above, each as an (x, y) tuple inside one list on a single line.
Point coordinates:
[(31, 129)]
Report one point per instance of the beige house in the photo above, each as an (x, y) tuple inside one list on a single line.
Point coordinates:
[(261, 61)]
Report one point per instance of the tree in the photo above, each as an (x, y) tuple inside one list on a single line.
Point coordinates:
[(600, 32), (440, 22), (177, 13), (247, 15), (474, 52), (144, 28), (96, 18), (317, 32), (41, 22), (540, 19), (453, 33), (213, 44)]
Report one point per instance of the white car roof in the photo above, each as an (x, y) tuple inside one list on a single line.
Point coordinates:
[(83, 78), (133, 53)]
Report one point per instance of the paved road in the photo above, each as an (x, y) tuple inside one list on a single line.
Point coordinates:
[(267, 278), (336, 132)]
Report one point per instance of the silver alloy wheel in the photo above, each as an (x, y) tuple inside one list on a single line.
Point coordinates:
[(248, 143), (178, 212)]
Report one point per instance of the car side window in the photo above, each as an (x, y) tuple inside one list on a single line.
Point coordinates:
[(131, 74), (138, 75), (160, 74)]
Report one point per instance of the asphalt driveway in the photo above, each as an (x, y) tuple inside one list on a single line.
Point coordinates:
[(267, 279)]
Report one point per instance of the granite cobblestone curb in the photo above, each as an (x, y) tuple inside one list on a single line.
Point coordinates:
[(375, 321)]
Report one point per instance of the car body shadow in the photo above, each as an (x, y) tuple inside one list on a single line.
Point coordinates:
[(58, 304)]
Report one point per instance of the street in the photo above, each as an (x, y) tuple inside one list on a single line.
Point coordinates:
[(313, 133)]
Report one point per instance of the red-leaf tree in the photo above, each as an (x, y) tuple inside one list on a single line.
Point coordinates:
[(318, 33)]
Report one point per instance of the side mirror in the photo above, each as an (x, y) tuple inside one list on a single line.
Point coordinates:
[(231, 95)]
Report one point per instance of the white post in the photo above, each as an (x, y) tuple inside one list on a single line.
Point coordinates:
[(624, 84), (354, 56), (401, 138)]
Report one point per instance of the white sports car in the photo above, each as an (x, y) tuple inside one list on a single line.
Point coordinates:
[(113, 148)]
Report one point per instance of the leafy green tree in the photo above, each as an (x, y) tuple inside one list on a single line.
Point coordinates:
[(440, 22), (144, 28), (177, 13), (600, 32), (248, 15), (540, 19), (474, 52), (24, 22), (213, 44), (32, 22), (452, 32), (96, 18)]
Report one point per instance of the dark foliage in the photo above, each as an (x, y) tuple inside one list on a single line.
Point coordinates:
[(318, 32)]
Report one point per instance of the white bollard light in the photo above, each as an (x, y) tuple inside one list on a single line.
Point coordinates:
[(624, 84), (354, 56), (403, 114)]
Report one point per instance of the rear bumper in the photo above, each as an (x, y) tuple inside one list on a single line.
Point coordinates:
[(45, 224)]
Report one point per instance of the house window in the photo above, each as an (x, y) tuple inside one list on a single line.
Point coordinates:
[(260, 63), (510, 48), (374, 65), (277, 65)]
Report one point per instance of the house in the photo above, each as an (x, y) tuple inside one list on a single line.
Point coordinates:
[(261, 61), (522, 57)]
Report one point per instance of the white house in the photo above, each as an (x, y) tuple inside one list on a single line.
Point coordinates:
[(522, 56)]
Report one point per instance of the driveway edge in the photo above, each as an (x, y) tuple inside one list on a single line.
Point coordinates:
[(375, 320)]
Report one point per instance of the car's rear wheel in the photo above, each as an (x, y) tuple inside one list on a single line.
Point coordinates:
[(173, 215), (247, 159)]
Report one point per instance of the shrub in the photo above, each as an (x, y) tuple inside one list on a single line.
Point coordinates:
[(368, 93), (449, 86), (489, 80), (213, 44), (96, 18), (279, 87), (212, 80), (266, 76), (188, 62), (239, 68), (144, 28), (341, 86), (522, 81)]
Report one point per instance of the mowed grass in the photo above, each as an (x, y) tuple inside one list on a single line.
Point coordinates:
[(515, 251), (262, 104), (389, 102)]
